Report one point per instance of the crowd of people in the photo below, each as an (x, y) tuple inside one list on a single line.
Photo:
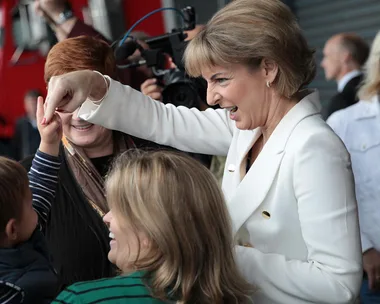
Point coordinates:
[(117, 208)]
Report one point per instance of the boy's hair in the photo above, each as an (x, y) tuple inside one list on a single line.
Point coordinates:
[(13, 185)]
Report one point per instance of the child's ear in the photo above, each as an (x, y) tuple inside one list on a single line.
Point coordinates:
[(11, 231)]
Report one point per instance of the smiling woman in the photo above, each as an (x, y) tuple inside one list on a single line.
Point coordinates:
[(76, 234)]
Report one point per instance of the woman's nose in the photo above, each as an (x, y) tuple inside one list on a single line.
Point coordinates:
[(212, 97), (75, 114), (107, 218)]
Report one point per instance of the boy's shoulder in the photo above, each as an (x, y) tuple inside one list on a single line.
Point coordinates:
[(131, 287), (29, 268)]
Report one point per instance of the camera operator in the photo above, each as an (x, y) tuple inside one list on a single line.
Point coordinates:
[(151, 87), (141, 73)]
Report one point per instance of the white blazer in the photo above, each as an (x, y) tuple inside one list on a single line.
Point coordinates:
[(296, 206)]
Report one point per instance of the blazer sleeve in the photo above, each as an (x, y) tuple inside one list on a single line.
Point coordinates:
[(129, 111), (324, 190)]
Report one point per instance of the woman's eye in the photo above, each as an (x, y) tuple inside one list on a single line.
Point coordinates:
[(221, 80)]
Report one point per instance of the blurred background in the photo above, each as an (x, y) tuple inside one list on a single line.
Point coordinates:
[(25, 38)]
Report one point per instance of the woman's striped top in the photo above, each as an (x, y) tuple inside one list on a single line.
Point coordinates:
[(122, 289)]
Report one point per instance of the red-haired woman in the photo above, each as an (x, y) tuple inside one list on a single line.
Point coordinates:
[(77, 236)]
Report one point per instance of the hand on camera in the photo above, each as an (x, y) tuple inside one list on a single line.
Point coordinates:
[(152, 89)]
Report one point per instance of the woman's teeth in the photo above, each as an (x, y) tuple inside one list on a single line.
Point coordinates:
[(111, 235), (234, 109), (84, 127)]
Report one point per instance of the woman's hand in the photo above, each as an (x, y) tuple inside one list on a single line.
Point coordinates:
[(51, 133), (152, 89), (67, 92)]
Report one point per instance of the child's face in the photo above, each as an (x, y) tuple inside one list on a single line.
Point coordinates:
[(28, 220), (125, 244)]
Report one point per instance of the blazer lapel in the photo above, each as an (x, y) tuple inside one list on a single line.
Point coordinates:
[(254, 187), (252, 190)]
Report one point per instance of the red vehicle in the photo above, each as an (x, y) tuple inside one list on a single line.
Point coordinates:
[(23, 45)]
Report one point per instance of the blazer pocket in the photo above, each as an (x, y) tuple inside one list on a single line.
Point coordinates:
[(363, 146), (364, 157)]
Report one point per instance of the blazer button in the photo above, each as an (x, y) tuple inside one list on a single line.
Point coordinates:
[(265, 214), (231, 168)]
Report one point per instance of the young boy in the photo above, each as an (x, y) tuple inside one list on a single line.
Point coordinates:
[(26, 272)]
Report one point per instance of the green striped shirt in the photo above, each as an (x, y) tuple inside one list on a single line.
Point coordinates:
[(122, 289)]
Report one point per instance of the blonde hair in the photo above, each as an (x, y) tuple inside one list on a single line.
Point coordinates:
[(371, 82), (247, 31), (176, 202)]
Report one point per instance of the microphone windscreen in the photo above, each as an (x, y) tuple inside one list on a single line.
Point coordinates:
[(125, 50)]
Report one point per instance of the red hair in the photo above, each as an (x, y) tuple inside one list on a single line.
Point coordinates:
[(80, 53)]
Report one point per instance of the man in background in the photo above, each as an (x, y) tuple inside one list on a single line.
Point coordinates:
[(61, 19), (343, 56), (27, 138)]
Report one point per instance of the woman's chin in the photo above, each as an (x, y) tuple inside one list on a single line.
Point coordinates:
[(111, 257)]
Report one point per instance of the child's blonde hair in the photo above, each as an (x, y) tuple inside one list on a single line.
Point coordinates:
[(177, 203)]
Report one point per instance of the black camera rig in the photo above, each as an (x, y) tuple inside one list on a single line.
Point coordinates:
[(178, 88)]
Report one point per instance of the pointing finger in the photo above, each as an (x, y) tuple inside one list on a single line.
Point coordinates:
[(55, 98), (40, 110)]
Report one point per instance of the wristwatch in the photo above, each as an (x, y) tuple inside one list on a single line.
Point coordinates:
[(64, 16)]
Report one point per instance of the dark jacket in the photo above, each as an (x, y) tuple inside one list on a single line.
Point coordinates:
[(26, 269), (343, 99)]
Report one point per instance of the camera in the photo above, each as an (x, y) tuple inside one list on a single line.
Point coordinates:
[(178, 88)]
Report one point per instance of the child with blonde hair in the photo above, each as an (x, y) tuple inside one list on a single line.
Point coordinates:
[(170, 234)]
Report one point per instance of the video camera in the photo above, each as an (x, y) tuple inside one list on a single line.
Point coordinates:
[(178, 88)]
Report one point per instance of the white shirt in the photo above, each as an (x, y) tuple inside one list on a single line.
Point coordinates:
[(346, 78), (359, 128)]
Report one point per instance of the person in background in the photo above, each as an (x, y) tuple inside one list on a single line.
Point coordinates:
[(137, 74), (26, 272), (80, 248), (27, 138), (288, 181), (170, 235), (359, 128), (343, 56), (60, 17), (152, 88)]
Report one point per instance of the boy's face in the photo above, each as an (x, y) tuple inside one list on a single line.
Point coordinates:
[(28, 220)]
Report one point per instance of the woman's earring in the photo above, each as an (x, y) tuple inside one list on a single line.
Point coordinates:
[(268, 84)]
